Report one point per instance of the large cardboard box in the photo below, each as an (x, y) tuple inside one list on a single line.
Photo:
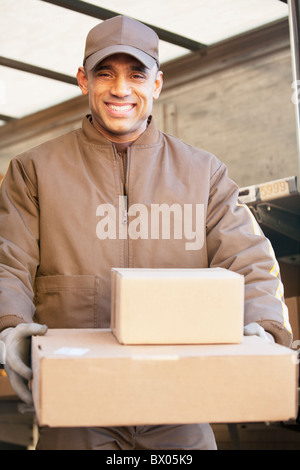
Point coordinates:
[(87, 378), (177, 306)]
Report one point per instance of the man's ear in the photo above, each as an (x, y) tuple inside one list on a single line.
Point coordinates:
[(82, 81), (158, 84)]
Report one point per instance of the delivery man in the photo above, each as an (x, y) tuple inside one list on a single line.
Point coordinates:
[(58, 243)]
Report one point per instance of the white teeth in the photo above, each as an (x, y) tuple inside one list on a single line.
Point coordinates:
[(120, 108)]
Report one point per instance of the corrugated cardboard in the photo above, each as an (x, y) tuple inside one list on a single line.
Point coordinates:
[(87, 378), (177, 306)]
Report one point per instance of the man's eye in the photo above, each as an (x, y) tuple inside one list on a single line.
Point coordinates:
[(103, 74), (138, 76)]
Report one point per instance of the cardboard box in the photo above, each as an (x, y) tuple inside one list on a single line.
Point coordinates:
[(177, 306), (87, 378), (293, 305)]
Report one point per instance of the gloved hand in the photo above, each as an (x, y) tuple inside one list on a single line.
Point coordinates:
[(2, 354), (18, 356), (254, 329)]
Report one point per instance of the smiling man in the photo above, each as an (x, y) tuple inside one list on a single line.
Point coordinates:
[(121, 92), (56, 262), (121, 78)]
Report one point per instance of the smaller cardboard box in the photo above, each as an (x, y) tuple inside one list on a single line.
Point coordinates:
[(87, 378), (177, 306)]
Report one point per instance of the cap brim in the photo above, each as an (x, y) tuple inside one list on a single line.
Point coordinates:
[(98, 56)]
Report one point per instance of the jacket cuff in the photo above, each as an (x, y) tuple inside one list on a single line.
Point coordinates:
[(278, 331), (8, 321)]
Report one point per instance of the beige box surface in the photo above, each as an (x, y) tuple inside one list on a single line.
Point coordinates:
[(87, 378), (177, 306)]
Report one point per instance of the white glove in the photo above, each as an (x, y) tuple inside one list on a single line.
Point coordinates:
[(254, 329), (2, 353), (17, 349)]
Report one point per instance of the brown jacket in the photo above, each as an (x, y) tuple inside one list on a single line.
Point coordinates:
[(55, 268)]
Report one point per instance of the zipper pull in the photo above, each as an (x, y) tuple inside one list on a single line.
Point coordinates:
[(124, 219)]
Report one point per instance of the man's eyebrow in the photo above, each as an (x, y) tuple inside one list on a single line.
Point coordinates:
[(134, 68), (102, 67)]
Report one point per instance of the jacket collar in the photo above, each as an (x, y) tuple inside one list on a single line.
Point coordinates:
[(147, 139)]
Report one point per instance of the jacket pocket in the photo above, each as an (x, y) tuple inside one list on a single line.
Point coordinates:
[(67, 301)]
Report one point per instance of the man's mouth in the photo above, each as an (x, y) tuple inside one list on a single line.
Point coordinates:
[(120, 108)]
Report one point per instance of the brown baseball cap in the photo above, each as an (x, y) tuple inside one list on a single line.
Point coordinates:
[(121, 34)]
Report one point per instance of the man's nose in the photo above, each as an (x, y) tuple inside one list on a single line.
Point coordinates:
[(120, 87)]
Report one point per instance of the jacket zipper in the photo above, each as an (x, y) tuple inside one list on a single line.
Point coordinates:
[(123, 177), (126, 186)]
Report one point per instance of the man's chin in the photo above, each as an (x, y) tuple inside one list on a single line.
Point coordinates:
[(121, 130)]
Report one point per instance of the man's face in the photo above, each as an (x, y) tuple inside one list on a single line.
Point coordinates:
[(121, 92)]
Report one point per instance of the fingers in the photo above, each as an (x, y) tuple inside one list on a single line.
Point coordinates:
[(18, 347), (17, 364), (19, 386), (24, 330)]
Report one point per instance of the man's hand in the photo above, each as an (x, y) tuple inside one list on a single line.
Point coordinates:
[(254, 329), (18, 356)]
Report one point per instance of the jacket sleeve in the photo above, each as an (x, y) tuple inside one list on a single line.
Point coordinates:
[(236, 242), (19, 246)]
